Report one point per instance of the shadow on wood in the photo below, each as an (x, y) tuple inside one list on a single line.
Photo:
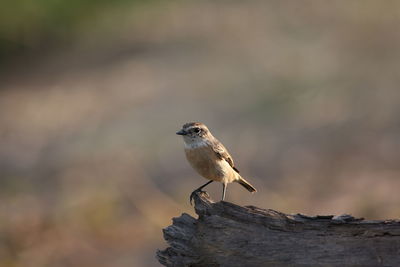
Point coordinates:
[(229, 235)]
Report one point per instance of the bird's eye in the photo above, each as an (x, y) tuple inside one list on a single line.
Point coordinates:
[(197, 130)]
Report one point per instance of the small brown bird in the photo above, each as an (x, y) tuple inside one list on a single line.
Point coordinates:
[(210, 158)]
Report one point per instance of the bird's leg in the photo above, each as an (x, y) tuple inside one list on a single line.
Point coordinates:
[(224, 186), (199, 190)]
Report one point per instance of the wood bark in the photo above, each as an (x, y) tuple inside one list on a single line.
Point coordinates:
[(226, 234)]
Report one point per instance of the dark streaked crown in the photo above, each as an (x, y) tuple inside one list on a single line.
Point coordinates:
[(192, 124)]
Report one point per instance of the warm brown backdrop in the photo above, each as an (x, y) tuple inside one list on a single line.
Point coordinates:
[(305, 95)]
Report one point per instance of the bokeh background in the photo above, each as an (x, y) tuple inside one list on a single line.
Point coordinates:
[(305, 94)]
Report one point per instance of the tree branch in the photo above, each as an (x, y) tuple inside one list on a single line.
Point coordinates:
[(229, 235)]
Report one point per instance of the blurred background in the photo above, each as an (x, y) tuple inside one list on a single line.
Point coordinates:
[(304, 94)]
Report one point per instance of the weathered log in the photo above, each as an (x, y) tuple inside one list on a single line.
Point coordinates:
[(229, 235)]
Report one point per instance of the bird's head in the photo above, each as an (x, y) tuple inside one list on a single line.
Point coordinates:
[(194, 132)]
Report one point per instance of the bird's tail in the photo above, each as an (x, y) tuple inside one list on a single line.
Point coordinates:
[(246, 185)]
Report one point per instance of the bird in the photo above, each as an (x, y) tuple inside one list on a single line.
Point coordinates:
[(210, 158)]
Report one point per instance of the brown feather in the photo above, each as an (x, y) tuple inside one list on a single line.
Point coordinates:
[(223, 153)]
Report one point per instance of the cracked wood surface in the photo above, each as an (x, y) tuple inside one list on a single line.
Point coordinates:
[(226, 234)]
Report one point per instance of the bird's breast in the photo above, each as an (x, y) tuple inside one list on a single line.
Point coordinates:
[(206, 163)]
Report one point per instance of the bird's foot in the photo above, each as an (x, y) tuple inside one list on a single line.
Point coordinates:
[(195, 192)]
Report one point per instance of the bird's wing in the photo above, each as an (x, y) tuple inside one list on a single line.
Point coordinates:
[(222, 153)]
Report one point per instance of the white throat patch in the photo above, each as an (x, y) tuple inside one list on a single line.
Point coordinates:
[(195, 144)]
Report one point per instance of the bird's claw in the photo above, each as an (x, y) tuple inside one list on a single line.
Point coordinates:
[(194, 193)]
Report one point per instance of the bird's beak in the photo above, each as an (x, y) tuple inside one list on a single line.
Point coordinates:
[(181, 132)]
